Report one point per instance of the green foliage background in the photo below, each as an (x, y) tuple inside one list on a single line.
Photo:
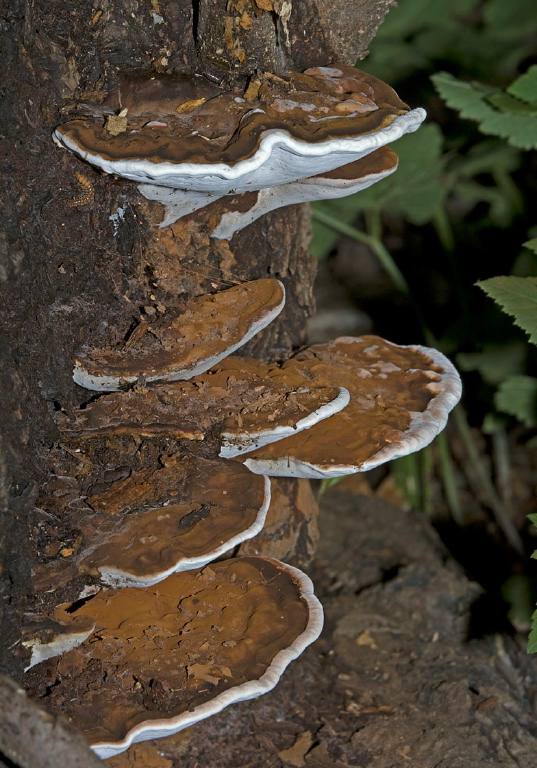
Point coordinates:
[(467, 178)]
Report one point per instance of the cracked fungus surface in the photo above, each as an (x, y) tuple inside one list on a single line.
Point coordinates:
[(236, 396), (198, 123), (209, 325), (390, 386), (156, 520), (165, 650)]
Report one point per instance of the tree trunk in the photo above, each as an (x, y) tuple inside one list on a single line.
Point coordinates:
[(68, 273)]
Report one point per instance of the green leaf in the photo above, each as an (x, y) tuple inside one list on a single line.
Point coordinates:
[(417, 14), (518, 397), (531, 244), (506, 103), (519, 130), (472, 101), (516, 590), (525, 87), (518, 297), (495, 363), (401, 44), (468, 98), (533, 519), (511, 17), (416, 189), (532, 639)]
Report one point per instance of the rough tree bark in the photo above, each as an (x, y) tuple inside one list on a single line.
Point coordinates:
[(66, 271)]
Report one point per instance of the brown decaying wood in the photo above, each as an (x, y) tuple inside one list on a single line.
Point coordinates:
[(68, 272)]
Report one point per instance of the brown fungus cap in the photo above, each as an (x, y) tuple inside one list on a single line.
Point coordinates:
[(156, 522), (211, 327), (400, 400), (235, 403), (290, 129), (165, 657)]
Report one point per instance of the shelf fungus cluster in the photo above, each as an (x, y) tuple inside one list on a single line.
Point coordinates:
[(151, 661), (180, 636), (189, 143), (161, 633), (181, 346)]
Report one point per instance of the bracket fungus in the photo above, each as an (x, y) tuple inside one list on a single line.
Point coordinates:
[(165, 657), (156, 522), (340, 182), (238, 404), (205, 145), (211, 327), (400, 398), (49, 636), (177, 639)]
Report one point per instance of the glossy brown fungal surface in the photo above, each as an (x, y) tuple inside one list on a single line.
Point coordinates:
[(211, 327), (164, 657), (236, 403), (400, 400), (226, 141), (160, 521)]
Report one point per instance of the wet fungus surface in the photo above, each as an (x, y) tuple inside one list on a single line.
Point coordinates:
[(236, 404), (156, 522), (211, 327), (227, 142), (400, 398), (164, 657)]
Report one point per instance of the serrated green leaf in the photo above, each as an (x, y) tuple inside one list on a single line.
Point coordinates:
[(519, 130), (472, 101), (518, 397), (531, 244), (468, 98), (533, 518), (495, 363), (506, 103), (518, 297), (525, 87)]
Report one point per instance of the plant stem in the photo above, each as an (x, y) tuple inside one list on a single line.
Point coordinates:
[(443, 229), (448, 479), (376, 245), (494, 501)]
